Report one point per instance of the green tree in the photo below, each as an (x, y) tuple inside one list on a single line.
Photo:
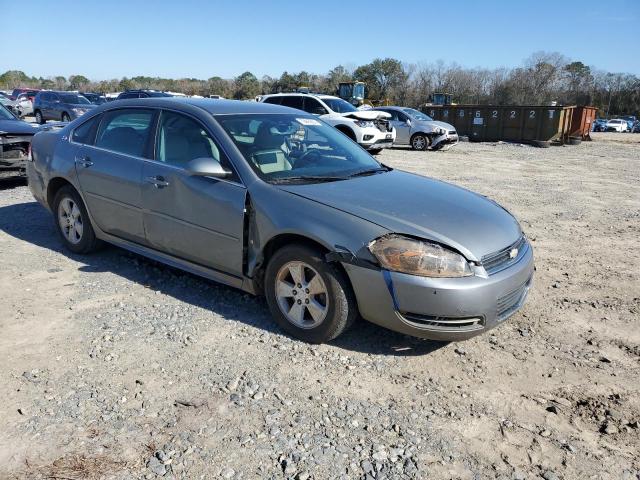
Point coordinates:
[(382, 77), (78, 82), (246, 86)]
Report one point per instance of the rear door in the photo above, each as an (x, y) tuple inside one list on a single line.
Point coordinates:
[(199, 219), (110, 171)]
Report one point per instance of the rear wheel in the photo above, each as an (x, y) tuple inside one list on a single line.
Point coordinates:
[(39, 118), (73, 221), (66, 117), (309, 298), (419, 142)]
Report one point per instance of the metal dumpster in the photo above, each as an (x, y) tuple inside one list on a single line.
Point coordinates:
[(582, 121), (530, 124)]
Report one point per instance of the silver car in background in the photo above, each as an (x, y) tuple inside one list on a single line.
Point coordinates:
[(276, 202), (419, 130)]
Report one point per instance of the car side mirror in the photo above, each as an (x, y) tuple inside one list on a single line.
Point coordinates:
[(408, 122), (206, 167)]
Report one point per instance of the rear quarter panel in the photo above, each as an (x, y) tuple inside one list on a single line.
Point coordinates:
[(53, 156)]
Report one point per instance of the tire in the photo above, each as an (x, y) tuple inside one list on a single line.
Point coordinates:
[(419, 142), (65, 117), (574, 141), (68, 211), (39, 118), (375, 151), (540, 143), (335, 309)]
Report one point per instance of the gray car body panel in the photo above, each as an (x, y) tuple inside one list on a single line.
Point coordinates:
[(343, 217)]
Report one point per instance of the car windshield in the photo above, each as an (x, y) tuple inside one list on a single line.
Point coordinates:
[(159, 94), (417, 115), (339, 105), (73, 98), (289, 148), (6, 114)]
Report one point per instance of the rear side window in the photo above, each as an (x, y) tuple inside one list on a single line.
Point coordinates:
[(292, 101), (274, 100), (125, 131), (86, 132)]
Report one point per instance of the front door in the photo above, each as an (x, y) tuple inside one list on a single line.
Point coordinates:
[(110, 172), (199, 219), (403, 130)]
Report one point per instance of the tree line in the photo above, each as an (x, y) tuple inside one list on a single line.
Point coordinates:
[(543, 77)]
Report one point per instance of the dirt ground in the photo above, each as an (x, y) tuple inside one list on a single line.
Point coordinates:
[(113, 366)]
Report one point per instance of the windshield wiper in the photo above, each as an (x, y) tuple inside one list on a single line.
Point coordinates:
[(306, 178), (370, 171)]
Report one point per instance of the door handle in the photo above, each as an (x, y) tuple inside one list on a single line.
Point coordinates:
[(84, 162), (157, 181)]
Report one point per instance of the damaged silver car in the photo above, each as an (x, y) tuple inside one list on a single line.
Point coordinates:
[(276, 202), (420, 131)]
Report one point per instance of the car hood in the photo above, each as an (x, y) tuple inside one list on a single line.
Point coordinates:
[(436, 123), (366, 115), (18, 127), (423, 207)]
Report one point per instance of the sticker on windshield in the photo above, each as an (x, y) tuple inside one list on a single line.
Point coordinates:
[(308, 122)]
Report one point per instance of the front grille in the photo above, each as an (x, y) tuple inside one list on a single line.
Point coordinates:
[(383, 125), (430, 322), (510, 302), (498, 261)]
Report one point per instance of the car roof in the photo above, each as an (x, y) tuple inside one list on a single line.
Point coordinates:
[(212, 105), (300, 94)]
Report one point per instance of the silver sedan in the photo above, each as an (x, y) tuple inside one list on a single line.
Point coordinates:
[(276, 202)]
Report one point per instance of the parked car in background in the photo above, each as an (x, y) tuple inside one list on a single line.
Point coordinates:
[(25, 104), (10, 105), (94, 98), (29, 92), (369, 128), (599, 125), (15, 140), (419, 130), (142, 94), (58, 105), (636, 127), (617, 125), (274, 201)]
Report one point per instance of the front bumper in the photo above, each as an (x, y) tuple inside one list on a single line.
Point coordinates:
[(447, 309), (372, 138), (445, 141)]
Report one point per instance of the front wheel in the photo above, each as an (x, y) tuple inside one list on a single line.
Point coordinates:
[(308, 297), (39, 117), (419, 142), (73, 221), (66, 117)]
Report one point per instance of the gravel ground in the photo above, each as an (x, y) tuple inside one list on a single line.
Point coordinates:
[(113, 366)]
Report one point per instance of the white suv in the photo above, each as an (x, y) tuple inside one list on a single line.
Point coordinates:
[(369, 128)]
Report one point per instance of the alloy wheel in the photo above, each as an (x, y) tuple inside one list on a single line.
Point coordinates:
[(301, 294), (419, 142), (70, 220)]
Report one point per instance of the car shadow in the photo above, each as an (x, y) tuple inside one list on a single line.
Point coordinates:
[(7, 183), (30, 222)]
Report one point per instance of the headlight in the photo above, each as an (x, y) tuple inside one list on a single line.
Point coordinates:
[(416, 257), (365, 123)]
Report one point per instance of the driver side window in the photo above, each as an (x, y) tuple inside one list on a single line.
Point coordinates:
[(181, 139)]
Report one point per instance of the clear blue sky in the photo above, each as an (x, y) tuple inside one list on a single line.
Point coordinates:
[(187, 38)]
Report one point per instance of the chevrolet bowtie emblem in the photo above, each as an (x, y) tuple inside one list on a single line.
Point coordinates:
[(513, 253)]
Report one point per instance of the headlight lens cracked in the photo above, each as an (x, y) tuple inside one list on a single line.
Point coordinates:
[(418, 257)]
